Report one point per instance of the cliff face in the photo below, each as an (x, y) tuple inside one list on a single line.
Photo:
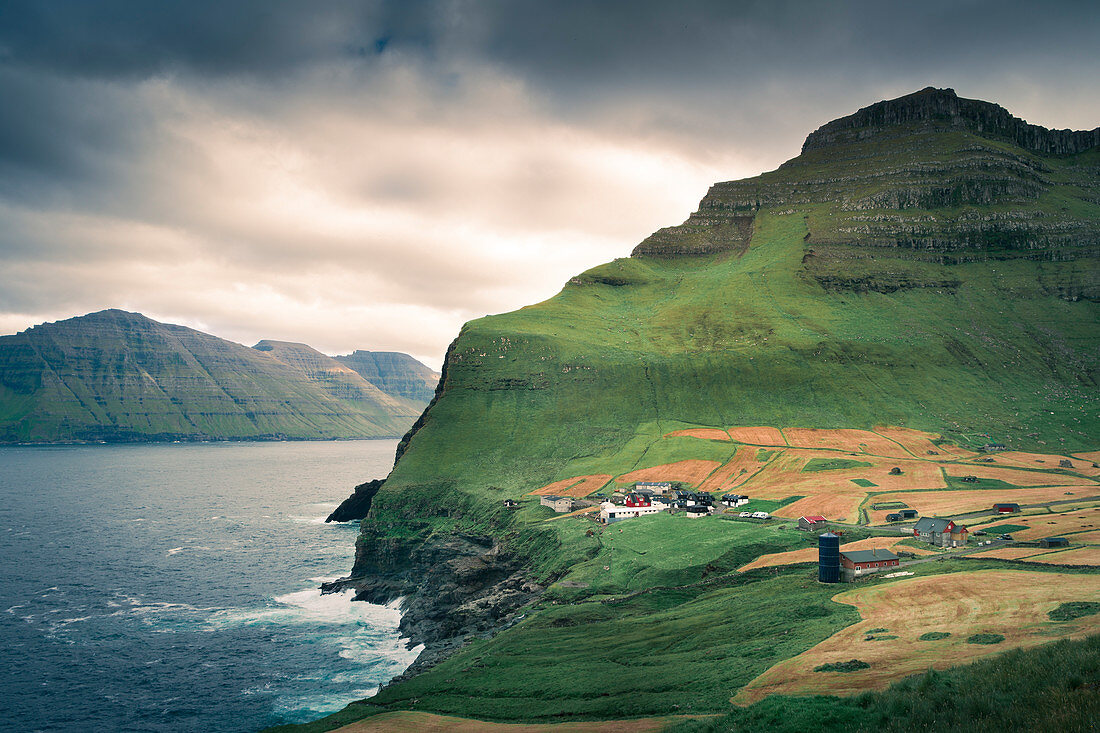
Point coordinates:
[(942, 108), (906, 270), (115, 375), (393, 372)]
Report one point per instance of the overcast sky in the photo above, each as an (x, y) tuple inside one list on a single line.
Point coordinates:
[(372, 174)]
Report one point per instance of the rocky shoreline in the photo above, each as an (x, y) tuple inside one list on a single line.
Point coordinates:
[(453, 589)]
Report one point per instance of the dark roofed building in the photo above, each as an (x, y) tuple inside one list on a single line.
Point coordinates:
[(1054, 542), (1006, 508), (560, 504), (857, 563), (940, 531)]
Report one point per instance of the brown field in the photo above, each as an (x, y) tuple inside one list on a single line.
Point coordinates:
[(1016, 477), (852, 441), (1044, 460), (703, 433), (1054, 525), (739, 470), (936, 503), (578, 487), (757, 436), (418, 722), (957, 452), (914, 441), (1074, 556), (783, 476), (1014, 603), (836, 506), (693, 471), (557, 487), (1085, 538), (809, 554), (1093, 456)]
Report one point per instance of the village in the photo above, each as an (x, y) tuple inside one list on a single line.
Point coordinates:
[(974, 493)]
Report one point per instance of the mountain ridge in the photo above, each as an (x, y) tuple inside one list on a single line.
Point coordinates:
[(114, 375)]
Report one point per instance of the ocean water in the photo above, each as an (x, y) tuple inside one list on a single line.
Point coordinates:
[(175, 587)]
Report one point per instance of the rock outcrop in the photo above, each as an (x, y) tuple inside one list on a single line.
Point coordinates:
[(357, 505)]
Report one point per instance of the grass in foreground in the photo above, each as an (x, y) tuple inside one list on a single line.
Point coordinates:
[(1053, 687)]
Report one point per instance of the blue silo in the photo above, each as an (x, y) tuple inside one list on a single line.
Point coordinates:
[(828, 558)]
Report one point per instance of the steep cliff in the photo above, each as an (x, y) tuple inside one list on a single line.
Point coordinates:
[(115, 375)]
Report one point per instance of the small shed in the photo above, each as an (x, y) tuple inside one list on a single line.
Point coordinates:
[(1054, 542), (895, 517), (1006, 508), (895, 471), (1065, 464), (811, 523), (697, 511), (908, 513), (560, 504)]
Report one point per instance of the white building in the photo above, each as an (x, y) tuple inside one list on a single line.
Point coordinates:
[(611, 513)]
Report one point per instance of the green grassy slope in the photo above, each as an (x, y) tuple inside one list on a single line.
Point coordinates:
[(587, 381), (120, 376)]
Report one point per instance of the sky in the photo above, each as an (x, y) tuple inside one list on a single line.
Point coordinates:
[(371, 175)]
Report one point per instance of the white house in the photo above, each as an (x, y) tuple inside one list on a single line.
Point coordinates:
[(611, 513)]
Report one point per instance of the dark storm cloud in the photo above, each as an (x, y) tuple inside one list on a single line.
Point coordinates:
[(137, 38), (374, 173)]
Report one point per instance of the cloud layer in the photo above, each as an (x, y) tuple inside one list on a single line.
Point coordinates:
[(372, 175)]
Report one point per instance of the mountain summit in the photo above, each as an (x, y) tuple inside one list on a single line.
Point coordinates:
[(929, 176), (941, 109)]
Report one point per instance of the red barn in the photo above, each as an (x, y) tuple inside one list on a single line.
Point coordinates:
[(1006, 508), (811, 523), (637, 500), (856, 563)]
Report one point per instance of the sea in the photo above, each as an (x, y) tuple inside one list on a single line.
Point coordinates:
[(175, 587)]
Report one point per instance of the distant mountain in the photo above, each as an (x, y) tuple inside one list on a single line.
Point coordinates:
[(119, 376), (394, 372)]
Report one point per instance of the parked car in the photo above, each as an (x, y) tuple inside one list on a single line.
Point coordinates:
[(745, 514)]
